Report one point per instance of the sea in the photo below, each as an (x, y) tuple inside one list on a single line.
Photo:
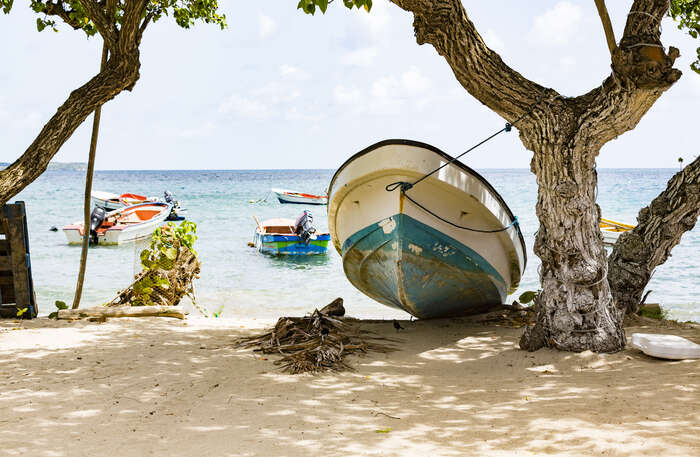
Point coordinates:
[(236, 281)]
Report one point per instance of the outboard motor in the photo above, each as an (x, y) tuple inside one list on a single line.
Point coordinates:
[(96, 219), (304, 227), (173, 216)]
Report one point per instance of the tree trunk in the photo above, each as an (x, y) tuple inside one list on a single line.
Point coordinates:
[(88, 191), (574, 310), (660, 227), (121, 73)]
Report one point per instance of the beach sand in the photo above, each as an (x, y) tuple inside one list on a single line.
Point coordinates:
[(165, 387)]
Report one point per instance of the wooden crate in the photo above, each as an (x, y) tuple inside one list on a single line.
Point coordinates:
[(16, 286)]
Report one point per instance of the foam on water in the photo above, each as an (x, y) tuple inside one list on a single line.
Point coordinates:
[(248, 284)]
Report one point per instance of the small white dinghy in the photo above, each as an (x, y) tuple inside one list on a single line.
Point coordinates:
[(666, 346), (290, 196), (122, 225)]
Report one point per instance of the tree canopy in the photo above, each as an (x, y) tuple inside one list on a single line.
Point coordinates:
[(81, 14), (121, 24), (687, 14)]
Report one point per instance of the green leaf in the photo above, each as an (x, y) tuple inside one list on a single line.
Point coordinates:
[(527, 297), (383, 430), (53, 315), (61, 304), (171, 253), (21, 311)]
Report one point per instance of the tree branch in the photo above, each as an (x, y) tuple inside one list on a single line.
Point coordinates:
[(103, 22), (445, 25), (607, 25), (131, 21), (57, 9), (642, 71)]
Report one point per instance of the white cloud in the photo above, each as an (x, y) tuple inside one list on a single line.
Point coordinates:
[(31, 121), (245, 107), (413, 80), (360, 57), (266, 26), (494, 41), (201, 131), (347, 96), (390, 94), (557, 26), (291, 72), (379, 19), (273, 100)]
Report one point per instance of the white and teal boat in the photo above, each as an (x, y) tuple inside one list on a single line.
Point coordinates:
[(447, 246)]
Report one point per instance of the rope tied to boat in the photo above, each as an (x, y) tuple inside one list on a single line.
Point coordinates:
[(406, 186)]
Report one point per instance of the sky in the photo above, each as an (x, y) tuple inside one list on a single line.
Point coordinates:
[(281, 89)]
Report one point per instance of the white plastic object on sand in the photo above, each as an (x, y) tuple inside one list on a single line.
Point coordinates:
[(666, 346)]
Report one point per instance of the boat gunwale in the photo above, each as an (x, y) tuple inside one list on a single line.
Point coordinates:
[(462, 166)]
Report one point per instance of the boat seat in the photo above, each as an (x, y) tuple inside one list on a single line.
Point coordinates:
[(284, 229)]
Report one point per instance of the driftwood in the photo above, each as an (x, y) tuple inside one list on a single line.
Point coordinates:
[(316, 343), (103, 312)]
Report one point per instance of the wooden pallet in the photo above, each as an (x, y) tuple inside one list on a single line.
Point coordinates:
[(16, 286)]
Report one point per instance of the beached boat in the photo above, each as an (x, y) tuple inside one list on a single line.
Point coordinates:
[(290, 196), (121, 225), (401, 255), (112, 201), (289, 237), (612, 230)]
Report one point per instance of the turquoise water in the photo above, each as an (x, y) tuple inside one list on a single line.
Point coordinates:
[(247, 284)]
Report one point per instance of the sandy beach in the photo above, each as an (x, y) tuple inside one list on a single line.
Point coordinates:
[(165, 387)]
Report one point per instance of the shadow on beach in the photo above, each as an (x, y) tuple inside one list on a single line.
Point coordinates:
[(164, 387)]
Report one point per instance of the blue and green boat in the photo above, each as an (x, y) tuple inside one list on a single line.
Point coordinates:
[(284, 237)]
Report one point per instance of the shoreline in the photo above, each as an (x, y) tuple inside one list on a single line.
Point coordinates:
[(158, 386)]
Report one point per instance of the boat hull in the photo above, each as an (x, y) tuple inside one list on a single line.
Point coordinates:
[(291, 244), (285, 196), (413, 267), (399, 254), (121, 233)]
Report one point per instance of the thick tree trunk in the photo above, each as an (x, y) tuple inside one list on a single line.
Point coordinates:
[(660, 227), (121, 72), (574, 310)]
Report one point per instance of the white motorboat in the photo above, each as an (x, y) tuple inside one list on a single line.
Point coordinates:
[(112, 201), (447, 246), (121, 225), (290, 196)]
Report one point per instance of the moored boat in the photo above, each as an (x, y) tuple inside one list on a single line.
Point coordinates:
[(290, 237), (121, 225), (112, 201), (612, 230), (447, 246), (290, 196)]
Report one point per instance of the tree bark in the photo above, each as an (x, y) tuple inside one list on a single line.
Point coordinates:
[(120, 73), (574, 311), (660, 227)]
